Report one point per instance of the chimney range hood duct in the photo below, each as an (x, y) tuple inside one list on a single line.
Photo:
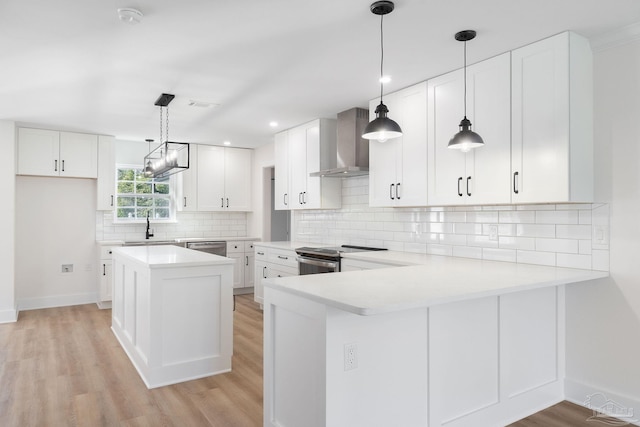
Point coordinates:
[(352, 150)]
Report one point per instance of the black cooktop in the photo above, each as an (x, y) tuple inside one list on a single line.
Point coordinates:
[(333, 252)]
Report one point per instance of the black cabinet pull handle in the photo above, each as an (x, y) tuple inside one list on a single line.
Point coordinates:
[(515, 181), (299, 198), (222, 202), (104, 269), (468, 179), (459, 192), (55, 166), (283, 257), (398, 191), (260, 253), (112, 200), (63, 166), (264, 272), (184, 202), (284, 199), (247, 260), (391, 191), (227, 202)]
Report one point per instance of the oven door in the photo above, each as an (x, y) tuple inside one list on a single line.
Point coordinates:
[(315, 266)]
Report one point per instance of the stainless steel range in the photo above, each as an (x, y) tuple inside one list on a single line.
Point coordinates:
[(325, 260)]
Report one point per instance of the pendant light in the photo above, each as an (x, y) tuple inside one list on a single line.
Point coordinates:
[(465, 139), (169, 157), (382, 127)]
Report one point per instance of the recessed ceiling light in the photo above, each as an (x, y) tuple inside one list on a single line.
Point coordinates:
[(227, 143), (201, 104), (130, 16), (273, 124), (385, 79)]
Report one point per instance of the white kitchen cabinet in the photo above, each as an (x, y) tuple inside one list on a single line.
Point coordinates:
[(552, 121), (224, 179), (105, 282), (52, 153), (481, 176), (243, 274), (187, 183), (271, 262), (281, 154), (311, 147), (106, 182), (398, 167)]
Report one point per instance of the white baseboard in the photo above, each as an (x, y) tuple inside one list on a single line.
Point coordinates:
[(8, 316), (57, 301), (581, 394)]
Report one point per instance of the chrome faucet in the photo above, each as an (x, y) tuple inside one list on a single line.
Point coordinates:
[(149, 232)]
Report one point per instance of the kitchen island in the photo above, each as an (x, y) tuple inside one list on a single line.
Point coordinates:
[(172, 312), (450, 342)]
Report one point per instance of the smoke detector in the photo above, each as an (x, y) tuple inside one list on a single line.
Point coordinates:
[(130, 16)]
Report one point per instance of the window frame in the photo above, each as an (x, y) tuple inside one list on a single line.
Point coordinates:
[(170, 197)]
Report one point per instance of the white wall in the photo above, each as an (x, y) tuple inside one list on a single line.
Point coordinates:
[(55, 225), (260, 219), (603, 318), (8, 311)]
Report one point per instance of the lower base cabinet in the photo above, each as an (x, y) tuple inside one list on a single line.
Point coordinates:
[(243, 272), (105, 281), (271, 262)]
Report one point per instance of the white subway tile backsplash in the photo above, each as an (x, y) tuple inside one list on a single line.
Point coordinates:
[(557, 245), (543, 234), (557, 217), (573, 261), (517, 217)]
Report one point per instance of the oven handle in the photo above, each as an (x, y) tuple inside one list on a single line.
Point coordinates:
[(318, 263)]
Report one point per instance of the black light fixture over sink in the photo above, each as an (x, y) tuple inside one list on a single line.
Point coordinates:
[(169, 157), (382, 127), (466, 139)]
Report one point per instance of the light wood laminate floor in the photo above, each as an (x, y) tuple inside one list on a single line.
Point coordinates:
[(64, 367)]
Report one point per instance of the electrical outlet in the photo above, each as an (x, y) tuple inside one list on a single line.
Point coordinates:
[(350, 356), (493, 232), (67, 268), (600, 234)]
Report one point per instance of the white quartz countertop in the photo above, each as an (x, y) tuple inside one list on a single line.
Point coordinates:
[(390, 257), (170, 256), (437, 280), (178, 240)]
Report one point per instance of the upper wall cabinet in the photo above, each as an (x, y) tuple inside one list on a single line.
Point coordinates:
[(398, 167), (52, 153), (552, 121), (187, 198), (481, 176), (281, 196), (300, 151), (223, 179), (106, 183)]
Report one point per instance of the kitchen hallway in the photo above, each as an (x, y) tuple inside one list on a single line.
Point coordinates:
[(64, 367)]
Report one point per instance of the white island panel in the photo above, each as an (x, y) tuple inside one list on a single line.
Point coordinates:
[(172, 312)]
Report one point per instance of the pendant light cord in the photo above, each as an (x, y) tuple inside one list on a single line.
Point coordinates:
[(381, 55), (465, 79)]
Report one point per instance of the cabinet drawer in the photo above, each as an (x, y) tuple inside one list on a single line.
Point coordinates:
[(248, 246), (262, 253), (281, 271), (105, 252), (235, 247), (283, 257)]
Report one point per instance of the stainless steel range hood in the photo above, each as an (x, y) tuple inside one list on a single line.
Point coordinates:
[(352, 150)]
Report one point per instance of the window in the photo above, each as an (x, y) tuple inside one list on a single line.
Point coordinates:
[(138, 195)]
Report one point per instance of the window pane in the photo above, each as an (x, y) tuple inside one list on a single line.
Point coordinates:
[(162, 213), (125, 175), (140, 176), (162, 202), (142, 212), (125, 187), (126, 213), (126, 201), (162, 188), (143, 188), (145, 201)]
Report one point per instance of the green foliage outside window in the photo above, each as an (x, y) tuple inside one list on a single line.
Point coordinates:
[(139, 195)]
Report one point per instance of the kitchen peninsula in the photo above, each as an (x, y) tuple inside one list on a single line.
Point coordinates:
[(452, 341), (172, 312)]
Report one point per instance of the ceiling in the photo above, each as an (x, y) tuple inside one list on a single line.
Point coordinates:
[(73, 65)]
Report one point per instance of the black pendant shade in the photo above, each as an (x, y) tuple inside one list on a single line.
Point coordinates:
[(382, 127), (466, 139)]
